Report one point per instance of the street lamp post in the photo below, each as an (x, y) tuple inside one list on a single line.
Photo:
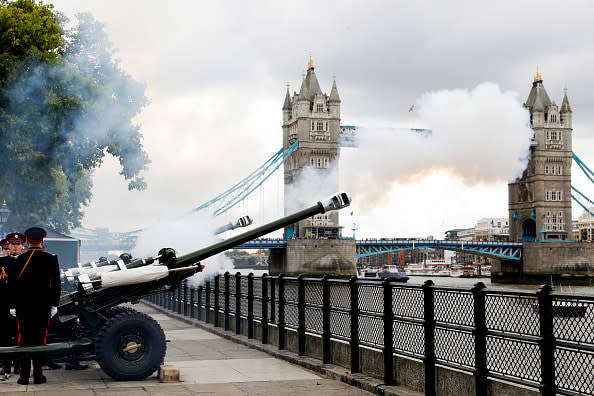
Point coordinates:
[(4, 212)]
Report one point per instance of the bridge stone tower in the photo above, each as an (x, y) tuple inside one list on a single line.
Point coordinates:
[(313, 245), (540, 201), (313, 118)]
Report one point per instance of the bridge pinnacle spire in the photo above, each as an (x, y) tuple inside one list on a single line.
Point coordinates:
[(310, 63)]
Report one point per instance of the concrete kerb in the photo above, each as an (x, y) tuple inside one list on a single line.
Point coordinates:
[(335, 372)]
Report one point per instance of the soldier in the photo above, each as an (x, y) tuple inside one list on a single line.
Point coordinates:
[(7, 323), (16, 241), (5, 247), (34, 297)]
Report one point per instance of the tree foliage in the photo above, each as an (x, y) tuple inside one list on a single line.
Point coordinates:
[(64, 104)]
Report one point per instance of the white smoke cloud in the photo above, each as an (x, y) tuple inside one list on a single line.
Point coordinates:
[(311, 185), (479, 136), (186, 234)]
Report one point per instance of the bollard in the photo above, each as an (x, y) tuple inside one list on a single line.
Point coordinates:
[(265, 300), (355, 365)]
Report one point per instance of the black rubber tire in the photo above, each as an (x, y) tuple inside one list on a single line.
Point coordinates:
[(127, 326)]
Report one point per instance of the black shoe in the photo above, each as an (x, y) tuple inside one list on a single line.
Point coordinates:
[(76, 366), (51, 365), (40, 380), (21, 381)]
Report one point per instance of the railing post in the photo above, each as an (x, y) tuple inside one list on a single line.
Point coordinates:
[(272, 299), (169, 298), (199, 304), (388, 333), (237, 303), (326, 358), (301, 315), (178, 305), (429, 325), (355, 366), (265, 300), (281, 312), (192, 301), (227, 294), (250, 313), (547, 341), (216, 300), (480, 337), (207, 302), (185, 298)]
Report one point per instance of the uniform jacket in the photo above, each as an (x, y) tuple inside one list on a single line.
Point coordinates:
[(34, 281), (6, 265)]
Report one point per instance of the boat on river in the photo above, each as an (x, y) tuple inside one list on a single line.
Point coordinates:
[(391, 272), (431, 267)]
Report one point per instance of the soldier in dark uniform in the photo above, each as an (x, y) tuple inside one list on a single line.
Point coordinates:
[(5, 247), (16, 242), (34, 296), (9, 333), (7, 322)]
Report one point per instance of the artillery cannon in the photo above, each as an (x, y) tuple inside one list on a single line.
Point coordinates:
[(127, 344)]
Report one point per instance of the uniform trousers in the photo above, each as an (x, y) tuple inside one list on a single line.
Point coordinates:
[(8, 334), (32, 327)]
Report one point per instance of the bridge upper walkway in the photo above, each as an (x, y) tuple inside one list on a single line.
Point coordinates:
[(370, 247)]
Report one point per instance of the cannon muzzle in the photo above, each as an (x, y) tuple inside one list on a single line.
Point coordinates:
[(241, 222)]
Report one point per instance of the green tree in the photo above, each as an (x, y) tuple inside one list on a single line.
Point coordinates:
[(64, 104)]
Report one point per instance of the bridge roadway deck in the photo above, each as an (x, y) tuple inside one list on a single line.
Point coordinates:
[(208, 364)]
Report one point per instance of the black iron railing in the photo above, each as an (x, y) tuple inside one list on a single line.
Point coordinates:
[(543, 340)]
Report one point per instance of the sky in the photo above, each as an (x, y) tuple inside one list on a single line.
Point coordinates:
[(216, 75)]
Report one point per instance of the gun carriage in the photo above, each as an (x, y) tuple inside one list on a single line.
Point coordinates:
[(128, 344)]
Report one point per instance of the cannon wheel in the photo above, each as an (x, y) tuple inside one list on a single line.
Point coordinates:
[(130, 345)]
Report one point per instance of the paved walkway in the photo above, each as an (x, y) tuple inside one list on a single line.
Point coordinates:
[(208, 364)]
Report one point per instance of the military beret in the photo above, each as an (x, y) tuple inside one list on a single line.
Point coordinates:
[(4, 243), (15, 237), (35, 234)]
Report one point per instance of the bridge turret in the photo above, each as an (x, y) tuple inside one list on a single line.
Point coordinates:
[(287, 109), (566, 113)]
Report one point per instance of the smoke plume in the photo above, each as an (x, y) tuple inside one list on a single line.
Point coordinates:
[(479, 136), (187, 234)]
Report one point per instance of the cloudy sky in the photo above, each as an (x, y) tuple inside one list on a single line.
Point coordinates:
[(216, 74)]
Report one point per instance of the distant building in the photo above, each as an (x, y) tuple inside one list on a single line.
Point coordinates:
[(540, 200), (460, 234), (491, 229), (66, 248), (585, 226), (100, 242)]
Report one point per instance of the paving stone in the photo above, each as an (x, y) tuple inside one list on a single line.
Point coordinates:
[(208, 364)]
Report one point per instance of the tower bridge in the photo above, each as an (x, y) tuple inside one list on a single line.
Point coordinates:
[(539, 201), (370, 247)]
